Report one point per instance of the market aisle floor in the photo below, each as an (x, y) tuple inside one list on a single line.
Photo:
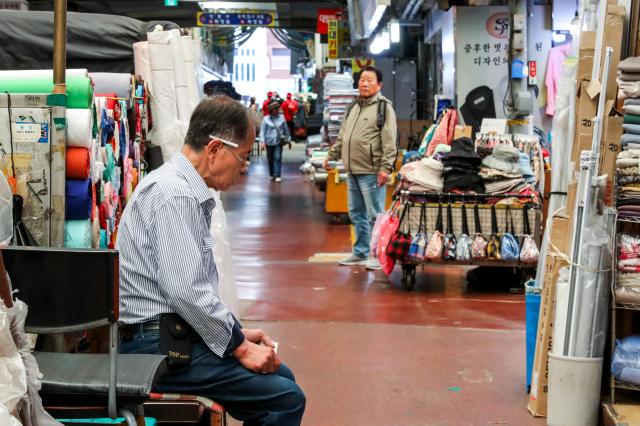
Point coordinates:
[(364, 351)]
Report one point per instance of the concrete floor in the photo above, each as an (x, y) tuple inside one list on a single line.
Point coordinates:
[(365, 351)]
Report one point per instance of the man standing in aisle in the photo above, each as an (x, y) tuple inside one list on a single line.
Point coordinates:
[(367, 146), (290, 108), (169, 299)]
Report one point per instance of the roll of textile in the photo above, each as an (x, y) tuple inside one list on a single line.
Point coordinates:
[(78, 163), (79, 127), (77, 233), (102, 216), (181, 76), (78, 199), (95, 233), (110, 99), (109, 165), (632, 109), (629, 138), (164, 108), (98, 167), (74, 72), (190, 62), (112, 82), (141, 60), (79, 88), (104, 239), (631, 119), (631, 128), (94, 202)]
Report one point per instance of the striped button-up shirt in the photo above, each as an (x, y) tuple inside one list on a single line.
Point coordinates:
[(166, 262)]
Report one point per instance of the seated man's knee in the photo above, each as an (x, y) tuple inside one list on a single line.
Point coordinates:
[(296, 400)]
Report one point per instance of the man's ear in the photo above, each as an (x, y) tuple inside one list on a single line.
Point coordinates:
[(380, 85), (213, 147)]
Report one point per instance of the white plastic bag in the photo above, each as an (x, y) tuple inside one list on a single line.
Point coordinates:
[(222, 257), (13, 374)]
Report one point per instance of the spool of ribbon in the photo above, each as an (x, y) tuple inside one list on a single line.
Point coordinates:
[(77, 233), (78, 199)]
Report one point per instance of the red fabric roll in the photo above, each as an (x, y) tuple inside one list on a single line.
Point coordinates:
[(111, 99), (78, 163)]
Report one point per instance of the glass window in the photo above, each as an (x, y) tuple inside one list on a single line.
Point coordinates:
[(253, 72), (280, 58)]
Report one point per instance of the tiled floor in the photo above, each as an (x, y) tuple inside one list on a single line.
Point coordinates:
[(365, 351)]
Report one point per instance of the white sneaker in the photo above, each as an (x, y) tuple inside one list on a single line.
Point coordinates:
[(373, 264), (353, 260), (278, 180)]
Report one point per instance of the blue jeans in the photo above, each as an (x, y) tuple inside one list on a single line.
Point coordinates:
[(366, 200), (256, 399), (274, 157)]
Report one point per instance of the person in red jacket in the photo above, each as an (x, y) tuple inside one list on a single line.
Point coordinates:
[(265, 104), (290, 108)]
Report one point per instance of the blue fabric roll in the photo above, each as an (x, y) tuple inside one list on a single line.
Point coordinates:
[(77, 233), (104, 241), (78, 199)]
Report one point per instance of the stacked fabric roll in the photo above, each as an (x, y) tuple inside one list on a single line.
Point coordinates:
[(628, 202), (461, 167), (501, 170), (423, 176), (628, 78), (627, 288)]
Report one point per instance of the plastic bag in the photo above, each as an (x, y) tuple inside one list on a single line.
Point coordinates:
[(626, 360), (227, 291), (13, 374), (388, 228), (6, 212), (375, 234)]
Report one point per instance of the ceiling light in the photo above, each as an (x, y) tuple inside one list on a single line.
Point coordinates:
[(394, 31), (380, 43), (377, 16)]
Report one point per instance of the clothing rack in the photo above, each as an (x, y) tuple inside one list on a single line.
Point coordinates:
[(475, 197)]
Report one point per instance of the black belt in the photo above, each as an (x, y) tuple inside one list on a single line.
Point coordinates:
[(127, 331)]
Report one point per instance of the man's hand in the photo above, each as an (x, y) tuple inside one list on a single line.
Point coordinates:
[(263, 146), (257, 358), (383, 178), (258, 336)]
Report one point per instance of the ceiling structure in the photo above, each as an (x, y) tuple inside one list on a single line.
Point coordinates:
[(295, 15)]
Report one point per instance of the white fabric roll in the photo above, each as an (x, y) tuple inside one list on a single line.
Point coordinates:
[(222, 257), (141, 60), (191, 71), (42, 73), (163, 104), (79, 127), (180, 76), (112, 82)]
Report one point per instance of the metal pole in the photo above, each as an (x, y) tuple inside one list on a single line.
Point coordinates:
[(59, 46)]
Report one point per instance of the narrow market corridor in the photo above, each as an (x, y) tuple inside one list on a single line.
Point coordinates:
[(365, 351)]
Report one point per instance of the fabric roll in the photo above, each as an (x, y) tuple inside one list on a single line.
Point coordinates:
[(78, 164), (77, 234), (94, 203), (627, 146), (104, 239), (79, 127), (102, 216), (632, 109), (628, 76), (630, 89), (631, 119), (109, 99), (74, 72), (632, 101), (78, 199), (630, 138), (141, 60), (190, 62), (98, 172), (110, 164), (111, 82), (79, 88), (181, 76), (95, 233), (164, 109)]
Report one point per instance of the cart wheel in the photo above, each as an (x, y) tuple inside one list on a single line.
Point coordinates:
[(408, 277)]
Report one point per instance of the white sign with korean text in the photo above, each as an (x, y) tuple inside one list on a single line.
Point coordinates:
[(482, 52)]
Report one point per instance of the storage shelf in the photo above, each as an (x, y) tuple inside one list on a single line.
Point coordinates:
[(629, 219), (628, 306), (619, 384)]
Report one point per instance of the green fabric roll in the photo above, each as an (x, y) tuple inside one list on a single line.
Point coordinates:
[(631, 119), (77, 233), (110, 166), (79, 88)]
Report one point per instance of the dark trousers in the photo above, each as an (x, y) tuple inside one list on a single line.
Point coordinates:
[(256, 399), (274, 157), (291, 126)]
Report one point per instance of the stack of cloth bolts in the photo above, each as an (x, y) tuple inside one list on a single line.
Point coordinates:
[(422, 176), (628, 279), (628, 168), (502, 172), (628, 78)]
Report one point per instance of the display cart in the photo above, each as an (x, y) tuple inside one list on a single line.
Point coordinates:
[(433, 201)]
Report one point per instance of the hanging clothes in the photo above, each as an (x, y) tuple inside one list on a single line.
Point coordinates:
[(555, 63)]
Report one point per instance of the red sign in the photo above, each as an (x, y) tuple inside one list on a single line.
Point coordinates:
[(324, 15), (533, 70)]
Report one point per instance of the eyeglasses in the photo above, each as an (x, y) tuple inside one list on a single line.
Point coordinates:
[(241, 160)]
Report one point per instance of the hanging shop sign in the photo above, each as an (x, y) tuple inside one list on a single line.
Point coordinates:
[(333, 39), (237, 18), (358, 64), (482, 52), (324, 16)]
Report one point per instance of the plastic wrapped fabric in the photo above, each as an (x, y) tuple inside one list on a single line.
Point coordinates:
[(13, 375), (6, 212), (80, 127), (626, 360), (190, 63), (108, 82), (7, 419), (29, 408), (222, 256), (141, 60)]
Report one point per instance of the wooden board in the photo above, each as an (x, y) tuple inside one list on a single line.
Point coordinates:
[(620, 414)]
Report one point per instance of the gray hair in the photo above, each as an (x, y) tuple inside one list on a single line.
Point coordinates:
[(218, 116)]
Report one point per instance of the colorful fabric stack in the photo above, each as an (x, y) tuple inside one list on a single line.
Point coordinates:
[(628, 279), (423, 176), (628, 183), (501, 170)]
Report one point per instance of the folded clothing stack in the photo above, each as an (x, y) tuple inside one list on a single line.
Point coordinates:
[(626, 360), (501, 170), (627, 288), (423, 176), (461, 168), (629, 77), (631, 127), (628, 167)]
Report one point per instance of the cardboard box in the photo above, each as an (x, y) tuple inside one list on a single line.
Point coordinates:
[(572, 192), (540, 375), (407, 128), (585, 55), (560, 233), (462, 132), (613, 32), (586, 110)]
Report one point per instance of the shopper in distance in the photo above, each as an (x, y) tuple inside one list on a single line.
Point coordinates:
[(274, 135), (367, 146), (169, 297)]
